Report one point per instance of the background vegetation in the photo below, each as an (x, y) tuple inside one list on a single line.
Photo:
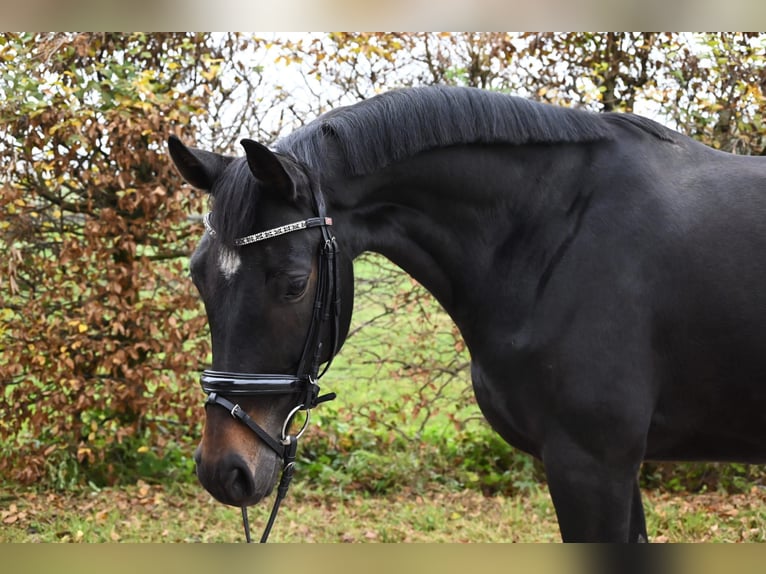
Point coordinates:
[(101, 333)]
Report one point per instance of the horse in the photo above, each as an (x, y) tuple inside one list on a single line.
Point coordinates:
[(605, 272)]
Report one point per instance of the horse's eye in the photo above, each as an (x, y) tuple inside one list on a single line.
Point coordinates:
[(295, 288)]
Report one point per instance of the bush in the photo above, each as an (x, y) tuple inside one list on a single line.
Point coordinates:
[(100, 326), (377, 461)]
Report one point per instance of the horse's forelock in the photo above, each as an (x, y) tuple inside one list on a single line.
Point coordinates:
[(234, 201)]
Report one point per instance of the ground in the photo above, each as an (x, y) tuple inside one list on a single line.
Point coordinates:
[(155, 513)]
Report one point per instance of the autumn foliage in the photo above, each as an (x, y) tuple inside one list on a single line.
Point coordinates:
[(101, 333), (98, 321)]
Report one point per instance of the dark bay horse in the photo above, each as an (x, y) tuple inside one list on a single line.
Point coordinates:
[(608, 276)]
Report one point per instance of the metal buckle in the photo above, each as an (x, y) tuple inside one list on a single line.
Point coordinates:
[(235, 411)]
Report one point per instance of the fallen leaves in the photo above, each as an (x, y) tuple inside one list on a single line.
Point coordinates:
[(12, 515), (90, 516), (154, 513), (710, 516)]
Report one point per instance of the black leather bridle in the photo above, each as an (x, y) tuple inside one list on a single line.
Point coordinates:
[(326, 312)]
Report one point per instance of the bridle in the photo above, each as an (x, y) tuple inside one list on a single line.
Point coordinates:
[(326, 311)]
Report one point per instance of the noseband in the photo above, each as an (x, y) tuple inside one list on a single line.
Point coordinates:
[(326, 311)]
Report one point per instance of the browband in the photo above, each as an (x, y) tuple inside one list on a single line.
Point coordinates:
[(268, 234)]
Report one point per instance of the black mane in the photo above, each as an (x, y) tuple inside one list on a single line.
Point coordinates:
[(398, 124), (374, 133)]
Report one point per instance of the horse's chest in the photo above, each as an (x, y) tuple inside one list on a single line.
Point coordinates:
[(510, 409)]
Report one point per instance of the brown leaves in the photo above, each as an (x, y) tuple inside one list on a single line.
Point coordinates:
[(12, 515), (711, 516), (86, 331)]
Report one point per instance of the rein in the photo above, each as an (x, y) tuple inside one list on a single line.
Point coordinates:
[(303, 384)]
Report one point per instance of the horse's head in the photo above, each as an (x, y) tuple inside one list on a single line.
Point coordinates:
[(259, 295)]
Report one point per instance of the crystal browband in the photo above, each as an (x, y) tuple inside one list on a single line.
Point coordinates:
[(268, 234)]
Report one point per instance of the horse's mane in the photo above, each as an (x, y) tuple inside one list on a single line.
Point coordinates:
[(398, 124), (644, 124)]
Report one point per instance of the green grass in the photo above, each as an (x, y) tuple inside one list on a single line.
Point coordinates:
[(185, 513), (145, 513), (400, 369)]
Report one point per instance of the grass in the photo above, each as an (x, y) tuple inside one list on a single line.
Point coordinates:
[(709, 517), (157, 513), (153, 513)]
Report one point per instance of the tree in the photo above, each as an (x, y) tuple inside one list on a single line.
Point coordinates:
[(100, 331)]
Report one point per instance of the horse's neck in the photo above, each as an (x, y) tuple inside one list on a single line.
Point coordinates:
[(446, 217)]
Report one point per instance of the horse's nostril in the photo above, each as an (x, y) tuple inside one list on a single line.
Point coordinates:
[(233, 480), (238, 479), (197, 455)]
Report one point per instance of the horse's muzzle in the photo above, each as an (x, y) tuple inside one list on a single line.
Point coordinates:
[(232, 480)]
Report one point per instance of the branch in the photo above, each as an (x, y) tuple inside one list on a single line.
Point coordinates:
[(40, 189), (167, 255)]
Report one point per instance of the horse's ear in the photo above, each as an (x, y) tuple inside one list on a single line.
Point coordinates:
[(198, 167), (268, 169)]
